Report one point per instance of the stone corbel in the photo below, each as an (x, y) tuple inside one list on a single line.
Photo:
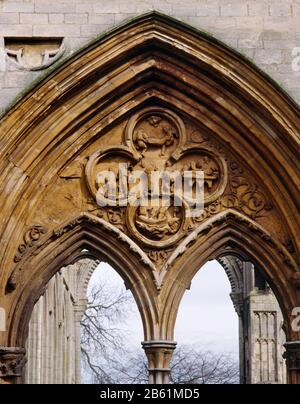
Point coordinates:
[(12, 362), (159, 354), (34, 54)]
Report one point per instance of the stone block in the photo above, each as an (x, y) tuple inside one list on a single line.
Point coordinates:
[(268, 56), (42, 6), (184, 10), (106, 7), (105, 19), (234, 9), (34, 19), (56, 18), (18, 6), (9, 18), (56, 30), (76, 19), (283, 9), (208, 10), (15, 30)]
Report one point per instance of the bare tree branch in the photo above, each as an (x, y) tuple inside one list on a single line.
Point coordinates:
[(106, 357)]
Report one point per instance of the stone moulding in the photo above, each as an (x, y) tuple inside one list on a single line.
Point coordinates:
[(224, 217), (112, 229), (70, 225)]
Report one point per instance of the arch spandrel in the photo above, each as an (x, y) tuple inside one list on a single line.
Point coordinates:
[(228, 186), (152, 93)]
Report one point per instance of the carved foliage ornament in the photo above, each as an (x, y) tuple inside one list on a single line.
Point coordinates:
[(154, 143), (12, 362), (31, 237)]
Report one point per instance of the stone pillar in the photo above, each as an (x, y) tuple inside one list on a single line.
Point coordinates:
[(261, 324), (12, 362), (266, 339), (53, 347), (292, 357), (159, 354), (80, 308)]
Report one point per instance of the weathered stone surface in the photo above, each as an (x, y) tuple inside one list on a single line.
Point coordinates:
[(255, 19), (53, 346), (155, 93)]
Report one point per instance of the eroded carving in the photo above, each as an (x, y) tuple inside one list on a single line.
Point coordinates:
[(12, 362), (292, 355), (223, 217), (155, 132), (242, 196), (14, 278), (158, 222), (31, 237), (212, 165), (34, 54), (246, 196), (155, 142)]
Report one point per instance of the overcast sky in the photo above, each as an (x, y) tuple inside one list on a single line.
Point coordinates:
[(206, 318)]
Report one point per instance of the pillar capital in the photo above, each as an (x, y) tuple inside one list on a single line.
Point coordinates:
[(12, 362), (159, 354), (292, 355)]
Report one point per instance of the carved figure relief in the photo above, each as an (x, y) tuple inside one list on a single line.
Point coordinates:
[(157, 140), (155, 132), (158, 221)]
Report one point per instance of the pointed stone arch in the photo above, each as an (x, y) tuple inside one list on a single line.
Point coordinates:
[(83, 237), (213, 105), (228, 233)]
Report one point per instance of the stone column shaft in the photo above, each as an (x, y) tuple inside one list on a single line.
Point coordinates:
[(159, 354)]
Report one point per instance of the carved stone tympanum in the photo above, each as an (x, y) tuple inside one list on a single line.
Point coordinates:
[(155, 141)]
